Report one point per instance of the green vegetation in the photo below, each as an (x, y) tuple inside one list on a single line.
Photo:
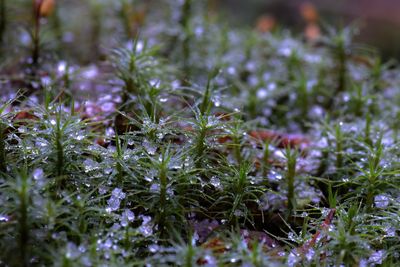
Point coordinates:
[(154, 135)]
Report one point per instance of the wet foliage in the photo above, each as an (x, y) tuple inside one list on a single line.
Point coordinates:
[(135, 133)]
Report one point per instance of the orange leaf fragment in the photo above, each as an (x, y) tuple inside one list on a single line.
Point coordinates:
[(312, 32), (283, 140), (25, 115), (309, 12), (44, 8), (265, 23), (216, 245)]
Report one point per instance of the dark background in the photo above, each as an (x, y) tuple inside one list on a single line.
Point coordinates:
[(378, 20)]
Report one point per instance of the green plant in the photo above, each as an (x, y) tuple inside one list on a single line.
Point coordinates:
[(291, 162), (196, 144), (240, 195), (186, 14)]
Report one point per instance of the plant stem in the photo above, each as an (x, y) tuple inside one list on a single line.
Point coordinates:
[(206, 103), (130, 86), (124, 14), (186, 13), (163, 194), (239, 188), (59, 148), (303, 98), (96, 30), (373, 173), (118, 158), (23, 195), (3, 21), (36, 34), (57, 26), (237, 148), (341, 63), (339, 146), (324, 156), (266, 155), (189, 255), (291, 162), (3, 158), (367, 132), (200, 147), (377, 74)]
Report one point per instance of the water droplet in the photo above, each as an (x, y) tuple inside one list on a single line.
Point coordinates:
[(274, 176), (90, 73), (62, 66), (108, 243), (239, 213), (82, 248), (146, 219), (115, 200), (390, 231), (108, 170), (233, 260), (4, 218), (310, 254), (153, 248), (293, 258), (110, 132), (117, 192), (72, 251), (304, 214), (150, 148), (108, 107), (262, 93), (291, 236), (146, 230), (345, 179), (155, 188), (102, 190), (90, 165), (46, 80), (377, 257), (215, 181), (212, 121), (381, 201), (22, 129), (126, 217), (38, 174)]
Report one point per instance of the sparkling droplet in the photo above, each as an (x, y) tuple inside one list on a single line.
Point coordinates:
[(381, 201), (38, 174)]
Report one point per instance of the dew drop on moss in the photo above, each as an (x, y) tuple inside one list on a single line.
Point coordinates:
[(381, 201)]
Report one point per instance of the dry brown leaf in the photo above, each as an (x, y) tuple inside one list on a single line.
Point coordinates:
[(309, 12), (46, 7), (265, 23), (312, 32)]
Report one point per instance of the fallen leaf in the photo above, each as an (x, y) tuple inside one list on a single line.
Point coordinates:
[(312, 32), (265, 23), (309, 12)]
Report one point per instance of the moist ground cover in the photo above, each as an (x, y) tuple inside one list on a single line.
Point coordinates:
[(141, 133)]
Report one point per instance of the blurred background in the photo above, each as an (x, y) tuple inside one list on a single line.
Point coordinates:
[(90, 23), (378, 20)]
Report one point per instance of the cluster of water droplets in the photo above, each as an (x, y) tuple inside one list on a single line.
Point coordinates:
[(126, 217), (149, 146), (114, 202), (382, 201)]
